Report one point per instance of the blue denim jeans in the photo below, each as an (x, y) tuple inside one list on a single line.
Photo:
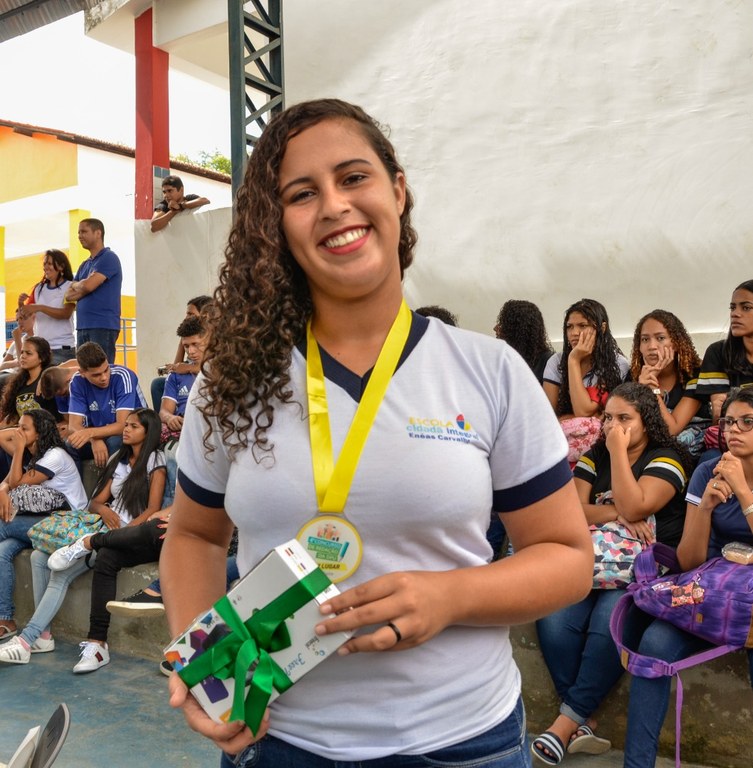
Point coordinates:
[(579, 652), (504, 746), (50, 588), (105, 337), (62, 355), (649, 697), (13, 538)]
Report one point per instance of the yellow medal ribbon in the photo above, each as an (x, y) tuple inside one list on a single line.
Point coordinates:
[(332, 481)]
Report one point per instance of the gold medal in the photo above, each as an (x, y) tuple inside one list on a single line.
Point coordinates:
[(334, 543)]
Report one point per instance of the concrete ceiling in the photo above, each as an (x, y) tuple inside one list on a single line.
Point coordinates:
[(17, 17)]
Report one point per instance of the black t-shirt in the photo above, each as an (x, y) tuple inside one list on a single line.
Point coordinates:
[(595, 468), (164, 208), (28, 400)]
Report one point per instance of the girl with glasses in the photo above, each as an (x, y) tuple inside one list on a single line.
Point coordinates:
[(719, 511)]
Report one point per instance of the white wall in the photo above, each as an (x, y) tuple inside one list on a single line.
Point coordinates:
[(556, 149)]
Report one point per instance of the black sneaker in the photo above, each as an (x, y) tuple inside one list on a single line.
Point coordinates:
[(139, 604)]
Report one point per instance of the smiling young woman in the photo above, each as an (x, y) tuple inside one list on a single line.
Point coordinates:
[(310, 309)]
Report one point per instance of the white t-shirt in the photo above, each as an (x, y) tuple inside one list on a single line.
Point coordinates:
[(464, 427), (63, 476), (59, 333), (552, 370), (122, 470)]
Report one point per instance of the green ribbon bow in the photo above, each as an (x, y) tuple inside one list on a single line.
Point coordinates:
[(264, 633)]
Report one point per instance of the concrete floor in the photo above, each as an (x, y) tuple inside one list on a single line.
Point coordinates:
[(120, 717)]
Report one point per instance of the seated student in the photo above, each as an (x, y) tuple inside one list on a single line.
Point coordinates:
[(637, 470), (46, 480), (719, 511), (432, 310), (175, 201), (194, 308), (178, 385), (665, 360), (729, 363), (101, 397), (24, 328), (521, 324), (20, 393), (578, 380), (129, 500)]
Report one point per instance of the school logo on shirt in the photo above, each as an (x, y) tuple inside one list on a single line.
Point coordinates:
[(457, 430)]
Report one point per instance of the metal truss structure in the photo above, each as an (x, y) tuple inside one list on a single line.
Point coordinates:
[(256, 74)]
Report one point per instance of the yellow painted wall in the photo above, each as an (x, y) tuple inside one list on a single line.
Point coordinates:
[(32, 165), (21, 275)]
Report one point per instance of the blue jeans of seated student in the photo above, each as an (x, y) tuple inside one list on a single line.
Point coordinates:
[(63, 354), (649, 697), (580, 654), (13, 538), (231, 575), (84, 453), (50, 588), (504, 746), (157, 390), (105, 337)]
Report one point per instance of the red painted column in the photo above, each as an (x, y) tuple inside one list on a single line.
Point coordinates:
[(152, 117)]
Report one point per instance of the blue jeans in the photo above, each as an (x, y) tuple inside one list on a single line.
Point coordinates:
[(504, 746), (649, 697), (13, 538), (157, 389), (50, 588), (63, 354), (579, 652), (105, 337)]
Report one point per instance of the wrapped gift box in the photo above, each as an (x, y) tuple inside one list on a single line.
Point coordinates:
[(287, 573)]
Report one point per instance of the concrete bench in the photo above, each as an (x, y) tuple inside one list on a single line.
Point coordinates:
[(138, 637)]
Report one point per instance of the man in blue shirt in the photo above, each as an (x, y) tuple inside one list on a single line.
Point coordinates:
[(96, 287), (100, 398)]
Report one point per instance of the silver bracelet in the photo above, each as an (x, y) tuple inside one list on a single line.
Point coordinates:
[(748, 510)]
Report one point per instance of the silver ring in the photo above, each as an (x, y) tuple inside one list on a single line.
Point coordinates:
[(398, 635)]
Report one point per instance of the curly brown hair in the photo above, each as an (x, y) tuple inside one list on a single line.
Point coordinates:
[(521, 324), (687, 361), (262, 304)]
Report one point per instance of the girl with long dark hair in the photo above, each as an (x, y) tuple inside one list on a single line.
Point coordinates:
[(636, 473), (521, 324), (46, 303), (665, 360), (313, 281), (20, 393), (42, 478), (128, 498), (729, 363)]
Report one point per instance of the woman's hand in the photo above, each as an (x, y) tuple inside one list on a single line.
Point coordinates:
[(109, 517), (618, 439), (729, 471), (640, 529), (17, 441), (414, 601), (717, 491), (229, 737), (586, 344), (717, 401), (6, 508), (649, 376)]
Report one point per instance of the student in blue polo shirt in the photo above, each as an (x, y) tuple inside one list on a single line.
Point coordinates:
[(178, 385), (100, 398), (96, 287)]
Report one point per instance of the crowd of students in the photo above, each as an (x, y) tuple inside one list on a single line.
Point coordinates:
[(660, 440)]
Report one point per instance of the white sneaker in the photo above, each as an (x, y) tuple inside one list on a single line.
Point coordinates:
[(63, 558), (93, 656), (14, 652), (43, 645)]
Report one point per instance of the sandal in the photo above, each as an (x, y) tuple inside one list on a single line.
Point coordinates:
[(586, 741), (8, 629), (548, 748)]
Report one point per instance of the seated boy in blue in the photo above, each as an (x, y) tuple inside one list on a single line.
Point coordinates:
[(101, 396), (178, 385)]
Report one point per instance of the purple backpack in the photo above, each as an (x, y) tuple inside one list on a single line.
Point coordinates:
[(713, 601)]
